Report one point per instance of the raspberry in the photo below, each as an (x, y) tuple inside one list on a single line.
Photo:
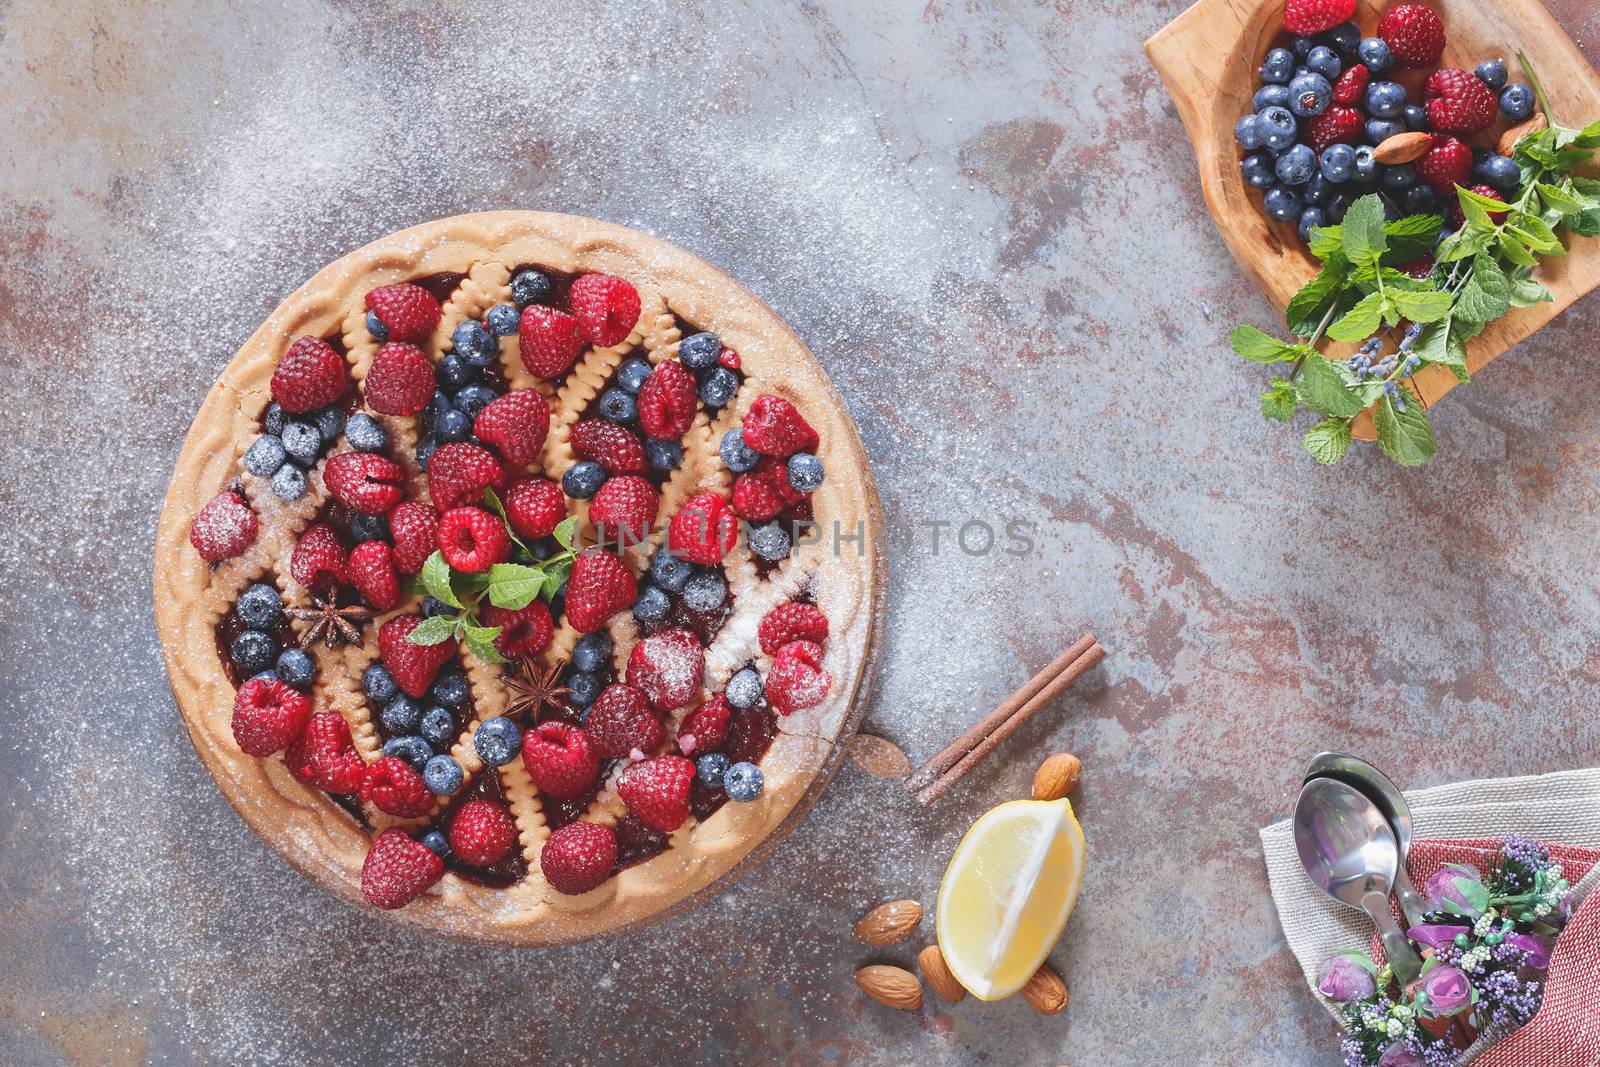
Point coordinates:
[(1458, 216), (472, 540), (1352, 85), (598, 587), (414, 526), (1310, 17), (1458, 102), (516, 424), (559, 759), (728, 358), (482, 833), (705, 729), (414, 667), (267, 716), (620, 720), (223, 528), (534, 507), (1418, 268), (325, 758), (1446, 165), (656, 791), (550, 340), (459, 472), (364, 481), (1413, 33), (1337, 125), (400, 381), (396, 788), (667, 401), (704, 530), (398, 869), (318, 561), (797, 680), (668, 667), (579, 857), (524, 632), (775, 427), (619, 451), (371, 570), (794, 621), (310, 375), (607, 308), (757, 497), (626, 507), (408, 312)]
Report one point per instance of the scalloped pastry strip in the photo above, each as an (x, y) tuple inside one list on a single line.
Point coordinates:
[(360, 349), (473, 295), (585, 382)]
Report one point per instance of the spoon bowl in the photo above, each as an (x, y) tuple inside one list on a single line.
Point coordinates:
[(1357, 772)]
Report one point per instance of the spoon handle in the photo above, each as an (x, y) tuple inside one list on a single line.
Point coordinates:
[(1411, 903), (1397, 948)]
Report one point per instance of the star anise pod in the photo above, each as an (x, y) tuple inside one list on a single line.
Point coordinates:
[(331, 624), (532, 689)]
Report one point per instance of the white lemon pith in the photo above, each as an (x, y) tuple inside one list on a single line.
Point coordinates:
[(1007, 894)]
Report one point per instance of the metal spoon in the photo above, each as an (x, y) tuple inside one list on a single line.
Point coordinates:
[(1350, 853), (1355, 771)]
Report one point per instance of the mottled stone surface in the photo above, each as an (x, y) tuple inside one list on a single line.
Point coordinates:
[(985, 223)]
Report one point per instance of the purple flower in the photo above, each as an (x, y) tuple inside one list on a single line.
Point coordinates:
[(1398, 1055), (1436, 936), (1343, 979), (1442, 887), (1538, 952), (1448, 990)]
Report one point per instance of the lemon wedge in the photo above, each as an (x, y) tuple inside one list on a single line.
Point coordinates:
[(1007, 894)]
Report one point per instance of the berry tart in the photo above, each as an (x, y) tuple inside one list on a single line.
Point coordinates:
[(498, 580)]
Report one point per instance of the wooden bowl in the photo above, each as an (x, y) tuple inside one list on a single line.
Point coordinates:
[(1209, 57)]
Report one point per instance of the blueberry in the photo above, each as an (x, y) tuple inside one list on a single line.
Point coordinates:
[(744, 688), (592, 652), (1246, 134), (437, 843), (1445, 233), (1281, 203), (296, 668), (453, 426), (1337, 206), (738, 456), (379, 684), (805, 470), (1317, 191), (411, 748), (440, 404), (402, 715), (1270, 96), (771, 542), (1278, 67), (1380, 130), (1421, 200), (618, 405), (1278, 127), (375, 327), (1385, 100), (633, 374), (1344, 38), (442, 775), (1310, 94), (1325, 62), (497, 741), (274, 418), (503, 320), (530, 287), (663, 455), (451, 689), (706, 591), (743, 782), (264, 676), (652, 604), (1498, 171), (368, 527), (1294, 167), (719, 387), (670, 572), (1398, 176), (473, 342), (1309, 218), (1516, 102), (455, 372), (302, 441), (253, 651), (1374, 52), (583, 479), (585, 687), (1366, 165), (438, 727), (265, 456), (1416, 117), (473, 398), (329, 422), (1257, 171), (289, 483), (433, 607), (699, 351), (364, 433), (710, 769), (1492, 72), (1302, 46), (259, 607)]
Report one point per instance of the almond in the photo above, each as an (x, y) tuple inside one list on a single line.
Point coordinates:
[(1045, 992), (893, 987), (888, 923), (1056, 776), (1403, 147), (930, 961), (878, 757), (1509, 139)]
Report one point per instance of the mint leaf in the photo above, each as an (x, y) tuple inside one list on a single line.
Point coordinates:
[(513, 586), (1537, 235), (1404, 436), (1429, 306), (434, 631), (1360, 321), (1259, 347), (480, 642), (1559, 199), (1525, 292), (1327, 441), (1361, 233), (1435, 346), (436, 580), (1326, 241), (1280, 401), (1323, 389), (565, 531), (1412, 236), (1306, 308), (1515, 250), (1487, 294)]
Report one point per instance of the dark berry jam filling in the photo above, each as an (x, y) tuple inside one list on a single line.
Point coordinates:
[(750, 734), (510, 870), (636, 843)]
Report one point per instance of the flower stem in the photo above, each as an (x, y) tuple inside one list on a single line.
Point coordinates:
[(1538, 87)]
